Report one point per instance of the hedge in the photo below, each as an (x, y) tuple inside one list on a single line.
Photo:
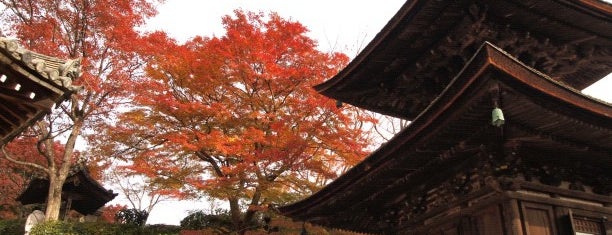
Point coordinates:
[(100, 228), (12, 227)]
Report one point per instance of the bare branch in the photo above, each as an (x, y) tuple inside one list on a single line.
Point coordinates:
[(206, 157), (13, 160)]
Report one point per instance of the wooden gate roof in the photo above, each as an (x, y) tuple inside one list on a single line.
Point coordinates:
[(87, 194), (414, 57), (542, 114)]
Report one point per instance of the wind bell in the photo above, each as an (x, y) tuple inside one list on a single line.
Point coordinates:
[(497, 117)]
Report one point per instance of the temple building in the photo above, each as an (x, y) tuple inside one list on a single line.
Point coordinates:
[(80, 192), (501, 141), (30, 85)]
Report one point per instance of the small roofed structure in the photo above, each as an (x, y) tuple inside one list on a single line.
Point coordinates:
[(30, 85), (80, 192), (501, 140)]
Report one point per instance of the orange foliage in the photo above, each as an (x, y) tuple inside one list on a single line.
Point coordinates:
[(235, 117)]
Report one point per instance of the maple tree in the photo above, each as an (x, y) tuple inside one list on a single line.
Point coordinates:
[(236, 117), (99, 32)]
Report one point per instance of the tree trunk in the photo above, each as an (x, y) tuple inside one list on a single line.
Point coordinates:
[(54, 197), (236, 214), (58, 174), (251, 210)]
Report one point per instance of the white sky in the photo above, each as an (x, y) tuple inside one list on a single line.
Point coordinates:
[(338, 25)]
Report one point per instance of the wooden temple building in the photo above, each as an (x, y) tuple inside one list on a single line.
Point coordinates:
[(30, 84), (501, 140)]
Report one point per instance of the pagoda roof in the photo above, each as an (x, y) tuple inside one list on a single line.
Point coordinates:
[(87, 194), (412, 59), (552, 121), (30, 84)]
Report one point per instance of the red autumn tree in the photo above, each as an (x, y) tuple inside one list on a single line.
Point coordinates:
[(101, 33), (12, 181), (14, 177), (236, 117)]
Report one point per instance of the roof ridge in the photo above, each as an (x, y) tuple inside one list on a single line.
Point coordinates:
[(61, 72)]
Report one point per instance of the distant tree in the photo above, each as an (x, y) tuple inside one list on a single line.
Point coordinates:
[(132, 216), (140, 193), (102, 34), (388, 126), (109, 212), (236, 117)]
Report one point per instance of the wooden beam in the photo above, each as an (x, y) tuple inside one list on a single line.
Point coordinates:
[(10, 115)]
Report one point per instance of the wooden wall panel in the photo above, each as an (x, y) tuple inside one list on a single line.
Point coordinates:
[(489, 221), (538, 219), (512, 217)]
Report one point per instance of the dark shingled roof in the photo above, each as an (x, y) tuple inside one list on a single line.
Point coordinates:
[(86, 193)]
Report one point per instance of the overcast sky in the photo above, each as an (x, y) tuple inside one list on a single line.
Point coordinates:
[(338, 25)]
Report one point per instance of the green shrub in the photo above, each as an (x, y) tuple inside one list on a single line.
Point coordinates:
[(12, 227), (96, 228), (100, 228), (200, 220), (162, 229), (54, 227)]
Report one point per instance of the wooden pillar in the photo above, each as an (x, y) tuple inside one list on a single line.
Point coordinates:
[(68, 206), (512, 217), (564, 223), (465, 226)]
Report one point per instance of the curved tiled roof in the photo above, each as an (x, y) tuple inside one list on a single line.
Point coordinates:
[(30, 84), (59, 71)]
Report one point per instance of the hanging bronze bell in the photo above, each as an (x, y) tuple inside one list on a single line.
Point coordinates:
[(497, 117)]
